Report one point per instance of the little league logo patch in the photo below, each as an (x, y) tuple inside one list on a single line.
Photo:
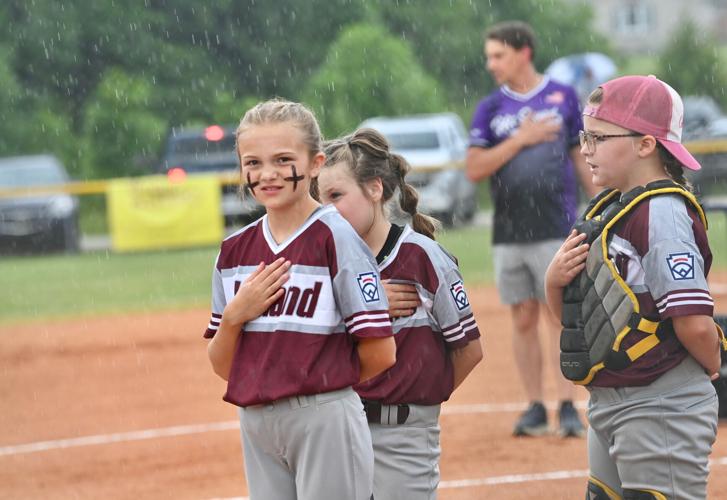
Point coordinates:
[(681, 265), (459, 295), (369, 285)]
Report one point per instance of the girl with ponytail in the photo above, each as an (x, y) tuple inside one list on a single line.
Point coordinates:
[(436, 334)]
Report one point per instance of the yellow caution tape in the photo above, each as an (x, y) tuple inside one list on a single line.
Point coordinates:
[(707, 146), (102, 186), (91, 187)]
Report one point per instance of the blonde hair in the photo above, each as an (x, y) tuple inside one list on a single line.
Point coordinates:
[(366, 153), (282, 111), (673, 167)]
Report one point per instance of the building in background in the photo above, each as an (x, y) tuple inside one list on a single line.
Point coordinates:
[(646, 26)]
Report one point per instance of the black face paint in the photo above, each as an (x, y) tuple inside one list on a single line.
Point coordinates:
[(251, 185), (294, 178)]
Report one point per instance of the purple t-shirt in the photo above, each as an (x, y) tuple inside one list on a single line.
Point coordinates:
[(535, 193)]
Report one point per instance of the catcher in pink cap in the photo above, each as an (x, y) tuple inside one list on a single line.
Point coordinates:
[(630, 286)]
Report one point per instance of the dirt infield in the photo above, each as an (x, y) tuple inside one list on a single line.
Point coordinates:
[(127, 407)]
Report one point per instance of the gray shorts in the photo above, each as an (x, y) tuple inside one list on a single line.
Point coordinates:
[(657, 437), (520, 269), (308, 448)]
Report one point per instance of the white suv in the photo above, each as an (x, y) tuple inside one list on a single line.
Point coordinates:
[(435, 146)]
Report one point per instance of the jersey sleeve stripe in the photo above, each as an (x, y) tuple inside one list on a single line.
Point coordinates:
[(470, 328), (212, 326), (460, 333), (682, 303), (374, 314), (465, 322), (371, 324), (358, 324), (377, 316), (696, 294)]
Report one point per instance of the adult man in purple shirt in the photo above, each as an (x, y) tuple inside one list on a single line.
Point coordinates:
[(524, 138)]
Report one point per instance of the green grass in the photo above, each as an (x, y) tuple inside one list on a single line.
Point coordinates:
[(717, 234), (93, 214), (43, 287), (97, 283), (473, 249)]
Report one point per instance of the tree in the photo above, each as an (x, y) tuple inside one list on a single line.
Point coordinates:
[(30, 122), (119, 127), (691, 64), (449, 37), (368, 72), (203, 62)]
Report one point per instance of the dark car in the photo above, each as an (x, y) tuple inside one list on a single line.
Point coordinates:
[(41, 222), (211, 150)]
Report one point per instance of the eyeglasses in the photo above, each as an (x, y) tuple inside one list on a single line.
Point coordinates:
[(591, 139)]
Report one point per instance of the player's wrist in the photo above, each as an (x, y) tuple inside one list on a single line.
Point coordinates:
[(232, 319)]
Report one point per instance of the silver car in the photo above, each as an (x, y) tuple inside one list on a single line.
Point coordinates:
[(40, 222), (435, 146)]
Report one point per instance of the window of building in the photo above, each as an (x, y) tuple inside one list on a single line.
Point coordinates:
[(633, 17)]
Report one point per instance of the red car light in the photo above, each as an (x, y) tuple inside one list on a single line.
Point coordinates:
[(214, 133), (176, 174)]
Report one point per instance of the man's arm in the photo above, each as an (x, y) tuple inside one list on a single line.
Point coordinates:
[(483, 162), (583, 171)]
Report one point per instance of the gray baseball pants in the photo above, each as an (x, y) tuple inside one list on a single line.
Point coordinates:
[(655, 438), (308, 448), (406, 455)]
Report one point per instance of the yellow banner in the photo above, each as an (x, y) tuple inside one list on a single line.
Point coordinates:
[(152, 212)]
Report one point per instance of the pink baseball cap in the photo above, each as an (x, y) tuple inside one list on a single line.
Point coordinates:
[(648, 106)]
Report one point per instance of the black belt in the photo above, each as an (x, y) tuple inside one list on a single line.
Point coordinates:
[(375, 411)]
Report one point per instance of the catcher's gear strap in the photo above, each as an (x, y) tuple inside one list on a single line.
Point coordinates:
[(643, 495), (597, 315), (598, 490), (722, 338)]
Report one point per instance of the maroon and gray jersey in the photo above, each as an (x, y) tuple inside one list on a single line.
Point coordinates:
[(305, 342), (661, 251), (423, 373)]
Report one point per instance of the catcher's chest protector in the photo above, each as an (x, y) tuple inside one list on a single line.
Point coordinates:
[(599, 308)]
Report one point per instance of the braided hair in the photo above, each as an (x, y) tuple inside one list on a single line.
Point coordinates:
[(673, 167), (366, 153)]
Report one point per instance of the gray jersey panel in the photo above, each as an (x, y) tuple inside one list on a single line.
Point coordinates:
[(673, 261), (357, 284), (218, 292), (451, 311)]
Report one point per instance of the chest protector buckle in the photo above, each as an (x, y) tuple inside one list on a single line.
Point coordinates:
[(599, 308)]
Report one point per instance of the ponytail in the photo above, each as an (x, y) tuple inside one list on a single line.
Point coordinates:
[(366, 152), (673, 167), (409, 199)]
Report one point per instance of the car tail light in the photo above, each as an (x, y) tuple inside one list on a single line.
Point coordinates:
[(214, 133), (176, 174)]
